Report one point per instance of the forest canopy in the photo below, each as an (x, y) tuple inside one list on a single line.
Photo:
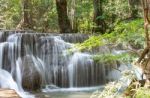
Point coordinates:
[(67, 16)]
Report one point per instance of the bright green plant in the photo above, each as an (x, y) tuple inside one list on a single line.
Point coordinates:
[(142, 92), (126, 32), (111, 57)]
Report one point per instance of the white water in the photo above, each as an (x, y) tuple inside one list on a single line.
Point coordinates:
[(6, 81), (18, 74), (75, 89), (78, 59)]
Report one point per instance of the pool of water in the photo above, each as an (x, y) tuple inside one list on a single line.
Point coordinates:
[(64, 95), (67, 92)]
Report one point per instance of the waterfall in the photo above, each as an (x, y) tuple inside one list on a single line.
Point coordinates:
[(80, 61), (6, 81), (36, 60)]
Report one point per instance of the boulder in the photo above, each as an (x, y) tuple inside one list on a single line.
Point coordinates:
[(32, 77)]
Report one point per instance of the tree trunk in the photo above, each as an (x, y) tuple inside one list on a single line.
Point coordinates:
[(25, 22), (144, 59), (98, 16), (63, 20)]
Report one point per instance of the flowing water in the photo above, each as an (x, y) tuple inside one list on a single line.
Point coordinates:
[(34, 61), (64, 95)]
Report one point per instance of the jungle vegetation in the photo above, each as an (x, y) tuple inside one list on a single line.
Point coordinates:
[(112, 21)]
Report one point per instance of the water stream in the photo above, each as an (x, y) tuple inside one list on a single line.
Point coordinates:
[(31, 61)]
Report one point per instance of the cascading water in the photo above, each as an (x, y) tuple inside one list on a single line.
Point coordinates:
[(35, 60), (78, 69), (6, 81)]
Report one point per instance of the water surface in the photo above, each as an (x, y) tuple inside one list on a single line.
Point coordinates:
[(64, 95)]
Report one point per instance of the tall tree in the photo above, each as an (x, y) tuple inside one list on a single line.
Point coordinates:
[(26, 10), (98, 16), (63, 20), (26, 21)]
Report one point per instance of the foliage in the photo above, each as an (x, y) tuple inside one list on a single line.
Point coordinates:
[(44, 15), (42, 11), (130, 32), (92, 42), (10, 13), (142, 92), (80, 12), (116, 14), (111, 57), (118, 9), (125, 32), (116, 88)]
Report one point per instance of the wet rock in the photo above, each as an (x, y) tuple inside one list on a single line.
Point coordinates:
[(52, 86), (32, 77)]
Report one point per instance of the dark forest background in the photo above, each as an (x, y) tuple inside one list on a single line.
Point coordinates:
[(67, 16)]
